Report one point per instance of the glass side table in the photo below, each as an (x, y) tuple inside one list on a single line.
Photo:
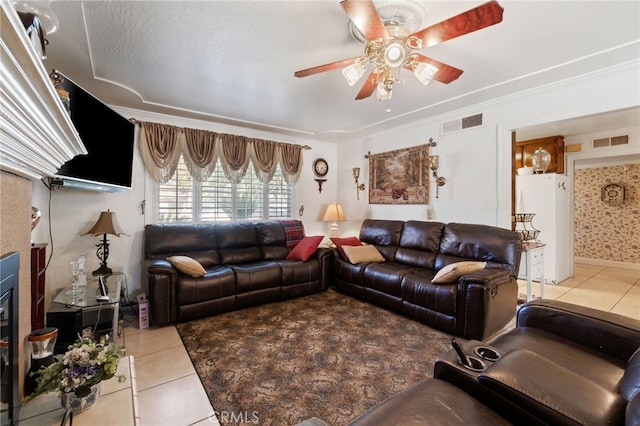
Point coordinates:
[(93, 310)]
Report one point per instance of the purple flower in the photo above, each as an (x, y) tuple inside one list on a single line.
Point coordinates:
[(76, 371)]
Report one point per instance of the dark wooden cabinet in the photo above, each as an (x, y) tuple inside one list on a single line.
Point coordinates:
[(554, 144), (38, 265)]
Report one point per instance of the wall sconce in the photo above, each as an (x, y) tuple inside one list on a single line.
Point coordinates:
[(356, 176), (434, 163)]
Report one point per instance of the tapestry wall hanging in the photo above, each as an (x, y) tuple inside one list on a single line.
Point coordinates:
[(399, 177)]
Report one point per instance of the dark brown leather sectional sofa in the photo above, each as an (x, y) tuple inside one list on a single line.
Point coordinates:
[(475, 306), (562, 365), (245, 266)]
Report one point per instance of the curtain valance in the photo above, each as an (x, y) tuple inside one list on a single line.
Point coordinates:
[(162, 145)]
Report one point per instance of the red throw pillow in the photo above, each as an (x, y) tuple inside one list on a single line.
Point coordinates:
[(305, 248), (349, 241)]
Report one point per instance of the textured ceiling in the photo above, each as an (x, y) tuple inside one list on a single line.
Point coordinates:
[(232, 62)]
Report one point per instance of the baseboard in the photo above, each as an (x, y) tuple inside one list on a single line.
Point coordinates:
[(607, 263)]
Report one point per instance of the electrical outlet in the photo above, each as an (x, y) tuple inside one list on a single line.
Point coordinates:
[(494, 204)]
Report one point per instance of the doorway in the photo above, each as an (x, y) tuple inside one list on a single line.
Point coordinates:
[(580, 132)]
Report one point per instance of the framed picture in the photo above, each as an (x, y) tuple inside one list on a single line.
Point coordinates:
[(399, 177)]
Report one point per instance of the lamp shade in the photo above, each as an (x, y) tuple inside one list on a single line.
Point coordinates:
[(334, 213), (106, 224)]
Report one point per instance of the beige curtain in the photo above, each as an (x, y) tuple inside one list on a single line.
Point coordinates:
[(161, 146), (234, 156), (200, 153), (264, 156), (290, 162)]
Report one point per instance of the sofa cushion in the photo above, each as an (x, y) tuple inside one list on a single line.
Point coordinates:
[(187, 265), (384, 234), (557, 395), (348, 241), (217, 283), (257, 276), (593, 365), (305, 248), (430, 402), (453, 271), (630, 385), (462, 241), (418, 289), (362, 254)]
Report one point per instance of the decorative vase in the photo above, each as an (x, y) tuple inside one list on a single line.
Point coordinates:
[(540, 160), (70, 401)]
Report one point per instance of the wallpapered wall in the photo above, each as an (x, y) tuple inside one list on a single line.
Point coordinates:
[(602, 231)]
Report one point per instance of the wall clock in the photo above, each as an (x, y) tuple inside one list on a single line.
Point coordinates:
[(320, 167), (613, 193)]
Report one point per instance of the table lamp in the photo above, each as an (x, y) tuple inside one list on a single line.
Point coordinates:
[(334, 214), (106, 225)]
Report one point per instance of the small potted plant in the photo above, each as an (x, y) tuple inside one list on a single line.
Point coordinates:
[(77, 375)]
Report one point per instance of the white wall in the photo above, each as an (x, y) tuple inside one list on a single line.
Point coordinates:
[(73, 212), (475, 162)]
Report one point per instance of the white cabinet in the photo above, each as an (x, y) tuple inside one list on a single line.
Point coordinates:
[(532, 267), (547, 196)]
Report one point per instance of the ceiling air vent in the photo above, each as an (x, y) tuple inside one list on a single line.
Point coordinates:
[(612, 141), (461, 124)]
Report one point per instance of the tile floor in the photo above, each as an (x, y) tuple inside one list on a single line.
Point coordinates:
[(170, 392)]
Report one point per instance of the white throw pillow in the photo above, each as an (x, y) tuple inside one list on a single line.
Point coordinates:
[(187, 265), (453, 271)]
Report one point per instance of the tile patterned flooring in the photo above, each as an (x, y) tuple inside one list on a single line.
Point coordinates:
[(170, 392)]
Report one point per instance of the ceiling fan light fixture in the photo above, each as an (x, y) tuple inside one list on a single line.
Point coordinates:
[(353, 73), (394, 55), (383, 93), (425, 72)]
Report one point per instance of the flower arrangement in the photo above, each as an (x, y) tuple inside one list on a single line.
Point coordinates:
[(85, 364)]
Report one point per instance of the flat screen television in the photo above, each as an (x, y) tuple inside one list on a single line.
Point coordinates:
[(108, 138)]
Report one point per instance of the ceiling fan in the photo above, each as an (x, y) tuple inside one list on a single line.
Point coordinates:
[(388, 47)]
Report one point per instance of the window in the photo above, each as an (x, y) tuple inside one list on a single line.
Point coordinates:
[(183, 199)]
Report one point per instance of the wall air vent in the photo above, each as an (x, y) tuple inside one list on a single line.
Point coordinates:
[(612, 141), (460, 124)]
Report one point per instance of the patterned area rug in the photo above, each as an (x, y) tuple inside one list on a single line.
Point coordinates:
[(326, 355)]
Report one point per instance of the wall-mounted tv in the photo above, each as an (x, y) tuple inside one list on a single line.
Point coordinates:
[(108, 138)]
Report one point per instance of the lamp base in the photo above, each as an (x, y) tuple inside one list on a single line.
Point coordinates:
[(102, 270), (334, 230)]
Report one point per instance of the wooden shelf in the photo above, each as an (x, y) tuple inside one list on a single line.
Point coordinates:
[(38, 265), (554, 144)]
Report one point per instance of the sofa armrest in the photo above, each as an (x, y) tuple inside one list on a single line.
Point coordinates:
[(486, 300), (614, 335), (487, 276), (161, 289), (325, 256), (551, 392)]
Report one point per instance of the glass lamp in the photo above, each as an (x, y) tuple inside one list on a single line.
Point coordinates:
[(353, 72), (334, 214), (540, 160), (425, 72)]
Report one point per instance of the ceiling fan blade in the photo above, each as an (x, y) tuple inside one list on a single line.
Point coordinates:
[(446, 73), (365, 17), (326, 67), (472, 20), (369, 86)]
